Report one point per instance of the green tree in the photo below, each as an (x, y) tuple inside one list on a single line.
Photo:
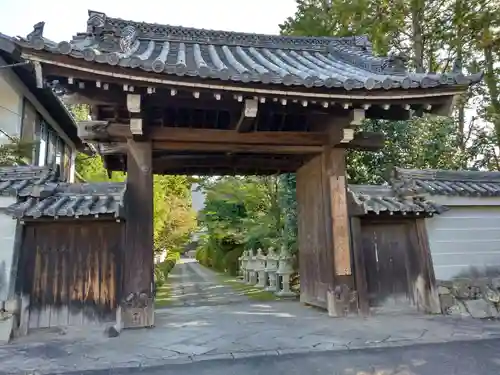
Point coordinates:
[(15, 152), (240, 213)]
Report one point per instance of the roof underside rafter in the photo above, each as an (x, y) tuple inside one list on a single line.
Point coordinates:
[(218, 56)]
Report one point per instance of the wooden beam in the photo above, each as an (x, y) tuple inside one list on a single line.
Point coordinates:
[(248, 116), (228, 147), (115, 132), (227, 162), (202, 171)]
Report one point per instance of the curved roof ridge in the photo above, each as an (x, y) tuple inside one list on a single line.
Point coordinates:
[(447, 175), (158, 31)]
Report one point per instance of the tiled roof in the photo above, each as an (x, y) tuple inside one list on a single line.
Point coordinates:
[(74, 200), (25, 180), (382, 199), (329, 62), (446, 182), (51, 102)]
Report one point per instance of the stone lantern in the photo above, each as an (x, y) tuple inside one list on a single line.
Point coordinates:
[(252, 275), (271, 268), (285, 270), (260, 269), (243, 259)]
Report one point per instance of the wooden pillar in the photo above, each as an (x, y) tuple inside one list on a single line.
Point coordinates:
[(425, 291), (359, 266), (137, 303), (342, 298), (326, 277)]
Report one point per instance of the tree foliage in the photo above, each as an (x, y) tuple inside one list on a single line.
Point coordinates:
[(15, 152), (241, 213)]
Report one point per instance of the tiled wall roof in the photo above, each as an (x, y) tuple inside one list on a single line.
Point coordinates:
[(382, 199), (24, 180), (446, 182), (74, 200)]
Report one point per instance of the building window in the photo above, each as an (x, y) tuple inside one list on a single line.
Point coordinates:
[(60, 153), (51, 149), (29, 125), (66, 163), (11, 112), (42, 145)]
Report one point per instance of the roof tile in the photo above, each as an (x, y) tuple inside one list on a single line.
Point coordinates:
[(26, 180), (446, 182), (383, 199), (74, 200), (346, 62)]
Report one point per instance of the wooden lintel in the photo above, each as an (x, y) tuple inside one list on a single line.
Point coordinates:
[(115, 132), (248, 116), (231, 147), (226, 162)]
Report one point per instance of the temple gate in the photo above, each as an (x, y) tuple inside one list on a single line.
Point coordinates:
[(174, 100)]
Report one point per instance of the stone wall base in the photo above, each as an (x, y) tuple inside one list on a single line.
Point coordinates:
[(476, 298)]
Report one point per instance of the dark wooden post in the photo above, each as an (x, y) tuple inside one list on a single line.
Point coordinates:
[(137, 303), (359, 266)]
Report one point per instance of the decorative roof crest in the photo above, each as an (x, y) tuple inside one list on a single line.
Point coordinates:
[(395, 63), (128, 36), (96, 22), (36, 36)]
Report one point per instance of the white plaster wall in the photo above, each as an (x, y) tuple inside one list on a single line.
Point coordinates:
[(465, 237), (11, 109), (7, 239)]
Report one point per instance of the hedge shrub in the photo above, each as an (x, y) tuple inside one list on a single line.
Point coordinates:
[(163, 269)]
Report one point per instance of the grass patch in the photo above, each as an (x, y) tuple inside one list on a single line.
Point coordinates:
[(164, 296)]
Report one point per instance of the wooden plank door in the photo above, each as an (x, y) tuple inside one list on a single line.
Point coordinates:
[(387, 253), (72, 272)]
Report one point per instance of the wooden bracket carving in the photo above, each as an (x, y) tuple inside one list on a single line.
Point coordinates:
[(134, 107), (356, 118), (141, 152), (248, 116), (134, 103), (92, 130), (136, 126)]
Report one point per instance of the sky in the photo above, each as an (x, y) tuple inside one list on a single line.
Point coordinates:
[(65, 18)]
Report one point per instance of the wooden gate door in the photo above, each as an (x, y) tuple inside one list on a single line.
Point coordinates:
[(72, 272), (387, 254)]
